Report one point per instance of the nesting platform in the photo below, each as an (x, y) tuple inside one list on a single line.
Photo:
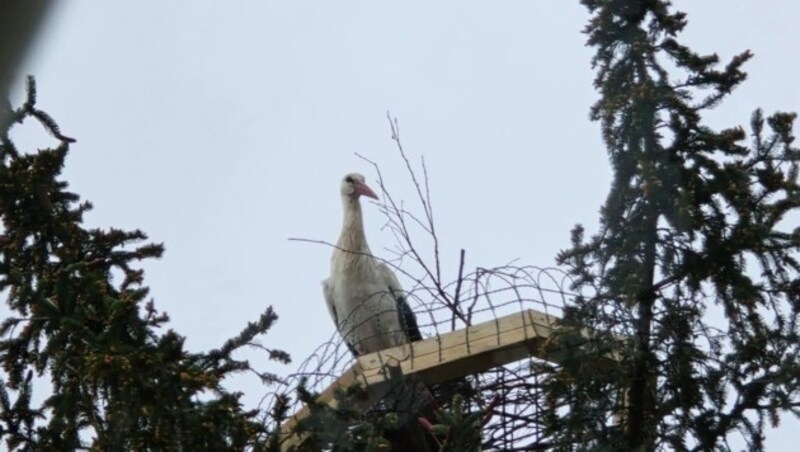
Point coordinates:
[(441, 358)]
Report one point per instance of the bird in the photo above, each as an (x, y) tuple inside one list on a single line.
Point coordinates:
[(363, 295), (371, 313)]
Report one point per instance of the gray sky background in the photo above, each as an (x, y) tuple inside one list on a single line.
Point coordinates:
[(223, 128)]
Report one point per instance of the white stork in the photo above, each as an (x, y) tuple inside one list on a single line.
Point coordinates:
[(363, 295)]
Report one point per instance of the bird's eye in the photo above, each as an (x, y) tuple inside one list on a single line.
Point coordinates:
[(348, 179)]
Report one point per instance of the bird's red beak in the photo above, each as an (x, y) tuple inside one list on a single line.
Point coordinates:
[(363, 190)]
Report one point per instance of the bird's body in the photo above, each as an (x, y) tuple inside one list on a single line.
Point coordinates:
[(363, 295)]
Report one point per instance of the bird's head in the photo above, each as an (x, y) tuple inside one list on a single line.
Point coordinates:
[(353, 186)]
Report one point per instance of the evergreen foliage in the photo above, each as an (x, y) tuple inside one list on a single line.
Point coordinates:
[(694, 271), (115, 381), (457, 429), (345, 427)]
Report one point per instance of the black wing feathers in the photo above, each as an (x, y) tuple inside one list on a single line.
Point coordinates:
[(407, 319)]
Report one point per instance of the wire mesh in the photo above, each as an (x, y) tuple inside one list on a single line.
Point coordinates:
[(513, 390)]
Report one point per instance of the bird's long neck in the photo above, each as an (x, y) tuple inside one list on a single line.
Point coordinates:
[(353, 252)]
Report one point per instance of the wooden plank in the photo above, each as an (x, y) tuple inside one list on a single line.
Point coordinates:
[(451, 355), (466, 351)]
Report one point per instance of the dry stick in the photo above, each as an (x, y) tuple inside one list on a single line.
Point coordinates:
[(457, 295), (323, 242), (399, 220), (477, 286), (430, 217), (424, 198)]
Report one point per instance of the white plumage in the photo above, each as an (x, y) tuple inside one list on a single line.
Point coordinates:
[(363, 295)]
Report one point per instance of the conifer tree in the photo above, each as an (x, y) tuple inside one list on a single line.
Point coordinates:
[(106, 377), (694, 271)]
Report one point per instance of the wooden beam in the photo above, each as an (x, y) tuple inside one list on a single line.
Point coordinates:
[(467, 351)]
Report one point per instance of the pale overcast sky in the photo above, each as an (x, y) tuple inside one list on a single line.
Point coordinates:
[(223, 128)]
